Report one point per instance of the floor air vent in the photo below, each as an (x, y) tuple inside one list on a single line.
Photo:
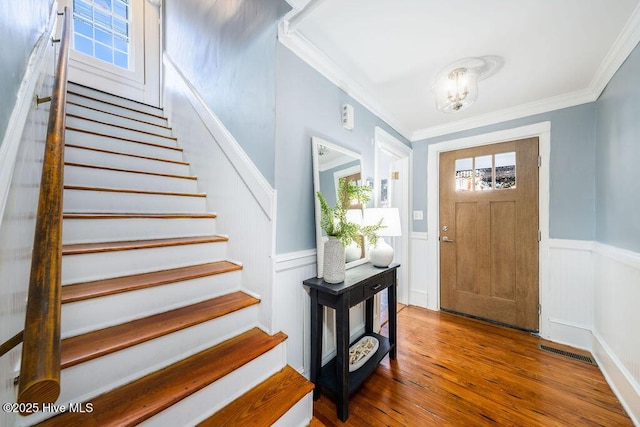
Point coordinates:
[(574, 356)]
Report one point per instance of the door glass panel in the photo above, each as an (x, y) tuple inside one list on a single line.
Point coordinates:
[(484, 173), (103, 25), (464, 174), (506, 170)]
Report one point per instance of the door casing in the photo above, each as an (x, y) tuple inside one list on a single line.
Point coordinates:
[(541, 130)]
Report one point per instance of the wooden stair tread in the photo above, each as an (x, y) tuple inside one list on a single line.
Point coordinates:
[(122, 138), (107, 215), (99, 288), (264, 404), (108, 168), (75, 116), (137, 401), (118, 153), (124, 190), (93, 98), (98, 343), (85, 248), (119, 115)]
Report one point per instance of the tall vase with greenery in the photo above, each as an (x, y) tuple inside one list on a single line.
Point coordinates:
[(340, 231)]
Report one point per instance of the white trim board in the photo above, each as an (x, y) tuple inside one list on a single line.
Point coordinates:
[(543, 132), (262, 191)]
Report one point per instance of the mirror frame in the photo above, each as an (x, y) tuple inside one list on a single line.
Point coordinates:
[(315, 143)]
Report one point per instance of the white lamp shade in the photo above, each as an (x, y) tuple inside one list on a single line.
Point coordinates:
[(390, 220)]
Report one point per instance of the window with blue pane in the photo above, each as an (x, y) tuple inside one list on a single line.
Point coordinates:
[(101, 30)]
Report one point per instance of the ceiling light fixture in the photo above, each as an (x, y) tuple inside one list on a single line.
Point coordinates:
[(456, 85)]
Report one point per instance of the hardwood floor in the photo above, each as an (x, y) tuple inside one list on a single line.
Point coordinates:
[(455, 371)]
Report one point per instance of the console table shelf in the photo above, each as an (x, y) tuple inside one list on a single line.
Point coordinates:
[(361, 284)]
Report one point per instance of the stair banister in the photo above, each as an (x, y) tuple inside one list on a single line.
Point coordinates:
[(40, 363)]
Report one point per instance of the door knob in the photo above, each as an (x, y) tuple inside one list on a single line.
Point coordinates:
[(446, 239)]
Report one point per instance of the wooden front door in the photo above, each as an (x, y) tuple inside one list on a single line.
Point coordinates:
[(489, 232)]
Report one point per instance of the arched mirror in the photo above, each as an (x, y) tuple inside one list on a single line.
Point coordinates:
[(330, 164)]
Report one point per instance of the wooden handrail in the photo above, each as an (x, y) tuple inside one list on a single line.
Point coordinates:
[(40, 365)]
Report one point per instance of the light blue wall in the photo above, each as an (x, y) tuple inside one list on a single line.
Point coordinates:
[(307, 104), (227, 50), (618, 158), (572, 164), (22, 22)]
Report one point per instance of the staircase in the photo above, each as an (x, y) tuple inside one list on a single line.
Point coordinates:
[(156, 327)]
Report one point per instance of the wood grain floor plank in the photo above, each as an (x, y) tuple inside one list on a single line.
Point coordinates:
[(455, 371)]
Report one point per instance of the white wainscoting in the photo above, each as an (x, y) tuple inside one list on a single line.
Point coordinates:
[(616, 327), (292, 303), (244, 201), (21, 155)]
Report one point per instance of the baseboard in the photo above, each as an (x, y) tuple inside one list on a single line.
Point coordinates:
[(418, 298), (567, 333), (622, 383), (262, 191)]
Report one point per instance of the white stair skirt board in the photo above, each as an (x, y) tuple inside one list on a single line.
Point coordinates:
[(104, 265), (108, 201), (104, 142), (83, 230), (101, 312), (299, 414), (94, 113), (116, 131), (87, 156), (88, 176), (216, 396), (116, 109), (89, 379), (83, 90)]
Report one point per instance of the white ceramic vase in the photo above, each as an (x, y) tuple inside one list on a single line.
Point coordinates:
[(333, 266)]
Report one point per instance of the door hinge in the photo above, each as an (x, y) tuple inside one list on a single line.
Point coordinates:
[(539, 309), (539, 161), (539, 236), (395, 176)]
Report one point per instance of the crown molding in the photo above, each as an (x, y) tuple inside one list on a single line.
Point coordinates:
[(543, 106), (313, 56), (624, 44)]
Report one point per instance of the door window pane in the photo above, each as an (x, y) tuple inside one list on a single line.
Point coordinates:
[(99, 27), (484, 173), (506, 170), (464, 174)]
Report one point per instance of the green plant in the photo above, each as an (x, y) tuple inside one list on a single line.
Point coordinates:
[(334, 219)]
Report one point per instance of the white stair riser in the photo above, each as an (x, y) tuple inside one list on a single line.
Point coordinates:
[(120, 229), (117, 202), (86, 380), (190, 411), (98, 313), (299, 414), (101, 128), (105, 117), (92, 177), (104, 265), (115, 99), (84, 139), (91, 157), (110, 108)]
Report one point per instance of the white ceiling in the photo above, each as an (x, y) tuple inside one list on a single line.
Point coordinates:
[(385, 53)]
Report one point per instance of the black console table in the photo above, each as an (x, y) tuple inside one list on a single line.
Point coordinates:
[(361, 284)]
